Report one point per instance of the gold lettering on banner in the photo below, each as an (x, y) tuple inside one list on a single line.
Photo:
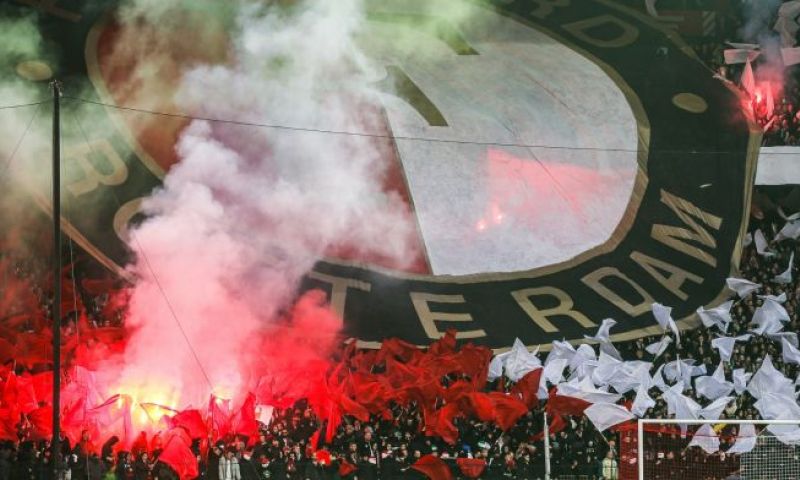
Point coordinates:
[(92, 177), (676, 237), (627, 32), (123, 217), (595, 279), (545, 7), (339, 286), (540, 316), (677, 276), (428, 318), (49, 6)]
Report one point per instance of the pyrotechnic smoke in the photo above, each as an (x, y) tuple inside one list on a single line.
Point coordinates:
[(248, 211)]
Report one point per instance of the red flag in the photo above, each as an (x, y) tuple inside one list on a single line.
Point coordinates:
[(528, 387), (394, 347), (445, 345), (42, 422), (555, 426), (313, 442), (191, 421), (433, 467), (244, 421), (480, 405), (563, 405), (440, 423), (507, 409), (140, 445), (179, 456), (471, 467), (219, 410), (8, 422), (346, 468)]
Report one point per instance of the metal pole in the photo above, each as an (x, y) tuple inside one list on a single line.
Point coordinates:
[(640, 448), (546, 448), (56, 443)]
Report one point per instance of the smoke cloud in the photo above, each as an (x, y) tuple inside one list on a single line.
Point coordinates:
[(248, 211)]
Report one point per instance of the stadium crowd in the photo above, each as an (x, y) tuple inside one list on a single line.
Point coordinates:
[(387, 448)]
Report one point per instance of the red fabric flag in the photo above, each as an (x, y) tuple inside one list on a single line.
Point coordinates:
[(42, 422), (471, 467), (313, 442), (440, 423), (433, 467), (192, 421), (474, 362), (507, 409), (244, 421), (556, 425), (8, 422), (219, 411), (140, 445), (346, 468), (563, 405), (480, 405), (528, 387), (394, 347), (179, 456), (445, 345)]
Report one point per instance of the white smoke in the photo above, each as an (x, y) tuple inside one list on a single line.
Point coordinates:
[(249, 210)]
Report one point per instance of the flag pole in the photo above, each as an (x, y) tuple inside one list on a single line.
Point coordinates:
[(56, 442)]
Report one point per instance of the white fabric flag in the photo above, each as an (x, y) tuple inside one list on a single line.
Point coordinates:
[(785, 277), (585, 390), (789, 337), (742, 287), (607, 367), (790, 353), (768, 379), (780, 298), (748, 239), (745, 440), (554, 372), (769, 317), (520, 361), (642, 403), (602, 334), (678, 404), (607, 415), (658, 380), (748, 79), (735, 56), (560, 349), (496, 367), (786, 24), (719, 317), (790, 56), (725, 345), (713, 386), (663, 316), (706, 438), (713, 410), (658, 347), (761, 244), (791, 230), (584, 360), (740, 379), (609, 349)]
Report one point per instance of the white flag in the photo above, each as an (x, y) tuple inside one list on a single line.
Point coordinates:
[(745, 440), (786, 24), (713, 386), (791, 230), (658, 347), (642, 403), (602, 334), (790, 353), (749, 80), (713, 410), (585, 390), (725, 345), (768, 318), (663, 316), (560, 349), (785, 277), (791, 56), (705, 438), (264, 413), (740, 379), (779, 298), (761, 244), (719, 317), (734, 56), (743, 288), (520, 361), (606, 415), (650, 6), (768, 379)]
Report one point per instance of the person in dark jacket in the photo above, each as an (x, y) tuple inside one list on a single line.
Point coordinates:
[(142, 467)]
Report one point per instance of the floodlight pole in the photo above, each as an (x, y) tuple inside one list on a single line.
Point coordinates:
[(55, 455)]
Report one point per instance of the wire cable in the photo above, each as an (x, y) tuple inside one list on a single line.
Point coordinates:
[(23, 105), (171, 309), (371, 135)]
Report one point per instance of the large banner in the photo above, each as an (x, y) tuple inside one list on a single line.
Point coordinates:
[(678, 240)]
